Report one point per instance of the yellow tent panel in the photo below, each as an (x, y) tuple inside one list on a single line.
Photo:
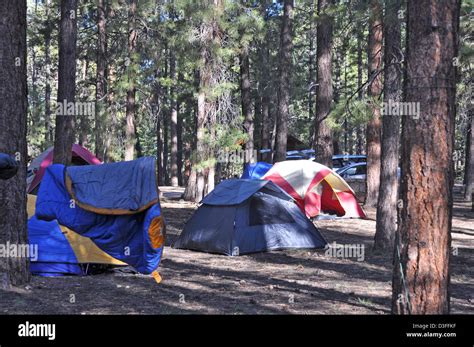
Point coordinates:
[(85, 250)]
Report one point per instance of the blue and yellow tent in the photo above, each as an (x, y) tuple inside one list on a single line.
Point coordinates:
[(104, 214)]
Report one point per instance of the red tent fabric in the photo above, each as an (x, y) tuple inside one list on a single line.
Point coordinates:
[(316, 188), (80, 156)]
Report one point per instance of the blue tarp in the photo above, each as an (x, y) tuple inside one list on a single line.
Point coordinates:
[(256, 170), (122, 189)]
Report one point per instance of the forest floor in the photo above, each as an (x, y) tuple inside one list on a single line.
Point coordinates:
[(295, 282)]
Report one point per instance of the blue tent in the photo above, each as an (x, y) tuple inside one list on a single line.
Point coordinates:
[(246, 216), (55, 255), (114, 205), (256, 170)]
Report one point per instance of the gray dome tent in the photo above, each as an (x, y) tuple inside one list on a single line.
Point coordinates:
[(242, 216)]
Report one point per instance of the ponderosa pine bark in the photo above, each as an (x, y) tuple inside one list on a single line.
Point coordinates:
[(285, 63), (421, 270), (130, 136), (373, 133), (13, 112), (323, 142), (386, 225), (65, 122)]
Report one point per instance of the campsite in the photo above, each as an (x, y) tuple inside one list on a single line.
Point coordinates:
[(284, 282), (230, 157)]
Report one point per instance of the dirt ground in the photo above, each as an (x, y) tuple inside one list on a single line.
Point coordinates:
[(295, 282)]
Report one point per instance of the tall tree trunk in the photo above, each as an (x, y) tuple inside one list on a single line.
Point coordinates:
[(338, 62), (83, 122), (375, 90), (266, 129), (264, 91), (13, 111), (174, 122), (346, 130), (284, 79), (166, 119), (191, 181), (273, 111), (191, 150), (257, 120), (101, 79), (311, 73), (324, 95), (65, 123), (157, 113), (206, 106), (111, 121), (469, 170), (165, 134), (179, 143), (159, 150), (130, 106), (421, 266), (111, 105), (246, 101), (386, 225), (360, 128), (47, 76), (33, 95), (200, 146)]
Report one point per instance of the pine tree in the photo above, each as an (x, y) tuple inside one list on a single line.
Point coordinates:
[(65, 122), (13, 110)]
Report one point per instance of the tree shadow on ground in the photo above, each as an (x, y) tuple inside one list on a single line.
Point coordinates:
[(229, 281)]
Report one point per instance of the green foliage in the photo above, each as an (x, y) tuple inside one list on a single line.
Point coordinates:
[(176, 26)]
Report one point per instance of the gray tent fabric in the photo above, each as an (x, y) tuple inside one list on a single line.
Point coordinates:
[(248, 216), (236, 191)]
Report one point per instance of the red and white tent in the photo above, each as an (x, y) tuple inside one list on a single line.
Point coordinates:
[(80, 156), (316, 188)]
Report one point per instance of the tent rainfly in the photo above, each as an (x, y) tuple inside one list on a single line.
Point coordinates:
[(316, 188)]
